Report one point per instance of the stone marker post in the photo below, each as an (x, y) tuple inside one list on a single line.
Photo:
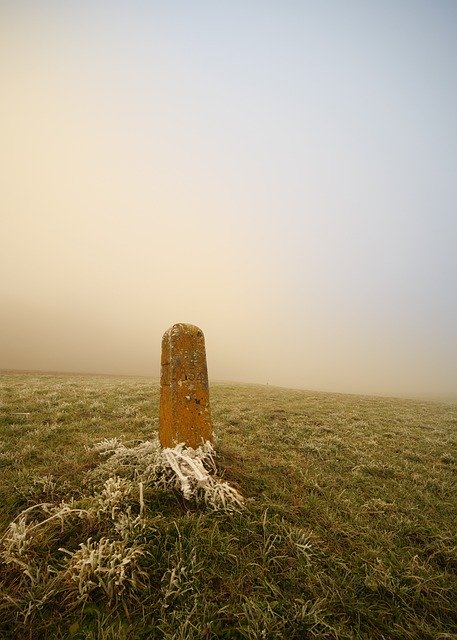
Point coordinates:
[(184, 412)]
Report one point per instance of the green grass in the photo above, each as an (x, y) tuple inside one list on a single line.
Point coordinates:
[(348, 531)]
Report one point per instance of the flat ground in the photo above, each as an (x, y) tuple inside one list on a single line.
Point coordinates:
[(348, 530)]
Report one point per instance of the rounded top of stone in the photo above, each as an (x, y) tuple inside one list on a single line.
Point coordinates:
[(184, 328)]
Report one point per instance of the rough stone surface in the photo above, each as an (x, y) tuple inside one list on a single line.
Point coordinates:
[(184, 414)]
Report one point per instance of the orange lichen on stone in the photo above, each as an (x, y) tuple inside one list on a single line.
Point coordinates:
[(184, 413)]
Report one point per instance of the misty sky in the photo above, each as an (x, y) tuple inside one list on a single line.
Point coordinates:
[(282, 174)]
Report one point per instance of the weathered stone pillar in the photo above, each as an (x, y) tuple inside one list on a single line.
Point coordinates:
[(184, 391)]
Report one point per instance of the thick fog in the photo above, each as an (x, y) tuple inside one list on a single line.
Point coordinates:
[(280, 174)]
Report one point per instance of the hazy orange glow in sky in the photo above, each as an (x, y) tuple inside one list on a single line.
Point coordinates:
[(281, 174)]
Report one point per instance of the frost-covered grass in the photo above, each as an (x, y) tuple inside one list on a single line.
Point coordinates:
[(321, 516)]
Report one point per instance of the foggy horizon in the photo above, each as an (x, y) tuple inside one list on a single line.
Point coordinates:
[(281, 175), (447, 398)]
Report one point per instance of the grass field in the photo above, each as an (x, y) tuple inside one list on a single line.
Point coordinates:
[(348, 529)]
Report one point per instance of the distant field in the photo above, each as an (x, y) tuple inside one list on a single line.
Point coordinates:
[(348, 531)]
